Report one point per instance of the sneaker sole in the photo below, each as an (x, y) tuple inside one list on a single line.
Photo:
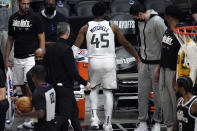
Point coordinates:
[(26, 127)]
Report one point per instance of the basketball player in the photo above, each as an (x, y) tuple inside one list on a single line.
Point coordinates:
[(187, 106), (100, 35), (43, 99)]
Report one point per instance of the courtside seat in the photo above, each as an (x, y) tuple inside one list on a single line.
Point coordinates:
[(84, 8), (157, 5), (120, 6)]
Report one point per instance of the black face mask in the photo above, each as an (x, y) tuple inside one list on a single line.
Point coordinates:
[(49, 10), (39, 62)]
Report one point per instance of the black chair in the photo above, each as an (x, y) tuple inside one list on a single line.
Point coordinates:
[(63, 8), (120, 6), (84, 8), (157, 5)]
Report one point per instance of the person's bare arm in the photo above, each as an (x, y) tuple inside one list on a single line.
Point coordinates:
[(81, 36), (41, 37), (122, 40), (79, 40), (34, 114), (2, 94), (194, 108), (8, 49)]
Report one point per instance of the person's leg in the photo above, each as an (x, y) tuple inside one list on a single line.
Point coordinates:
[(64, 107), (3, 109), (157, 113), (144, 88), (74, 117), (95, 81), (108, 107), (28, 64), (171, 105)]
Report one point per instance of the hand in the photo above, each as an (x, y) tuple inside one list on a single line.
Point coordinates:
[(39, 53), (18, 112), (88, 86), (14, 99), (156, 74), (7, 64)]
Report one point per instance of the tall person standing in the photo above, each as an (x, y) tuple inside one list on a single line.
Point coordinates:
[(26, 33), (100, 35), (165, 71), (61, 73), (151, 29)]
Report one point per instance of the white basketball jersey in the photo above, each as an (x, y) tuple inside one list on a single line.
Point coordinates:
[(100, 39), (50, 97)]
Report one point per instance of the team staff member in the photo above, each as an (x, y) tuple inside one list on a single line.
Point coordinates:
[(151, 29), (51, 17), (43, 100), (61, 72), (187, 105), (100, 35), (3, 101), (166, 70), (26, 33)]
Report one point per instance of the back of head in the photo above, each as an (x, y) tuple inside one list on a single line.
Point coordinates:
[(136, 8), (39, 72), (99, 9), (186, 83), (62, 28), (174, 12)]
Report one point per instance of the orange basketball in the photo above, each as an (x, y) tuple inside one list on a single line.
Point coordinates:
[(24, 104)]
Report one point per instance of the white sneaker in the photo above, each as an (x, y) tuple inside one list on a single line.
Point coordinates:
[(107, 127), (20, 127), (156, 127), (142, 127), (28, 124), (94, 123)]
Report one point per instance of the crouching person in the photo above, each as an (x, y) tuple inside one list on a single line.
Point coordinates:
[(43, 100)]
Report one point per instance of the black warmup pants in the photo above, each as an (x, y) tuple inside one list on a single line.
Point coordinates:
[(66, 108), (4, 105), (45, 126)]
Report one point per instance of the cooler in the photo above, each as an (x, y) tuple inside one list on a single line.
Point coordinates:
[(80, 98)]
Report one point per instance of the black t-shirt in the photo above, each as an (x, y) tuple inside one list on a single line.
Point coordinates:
[(169, 51), (38, 99), (50, 26), (25, 29)]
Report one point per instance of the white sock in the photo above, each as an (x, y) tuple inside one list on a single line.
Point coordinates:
[(108, 105)]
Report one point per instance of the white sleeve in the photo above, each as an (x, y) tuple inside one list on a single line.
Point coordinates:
[(75, 50)]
